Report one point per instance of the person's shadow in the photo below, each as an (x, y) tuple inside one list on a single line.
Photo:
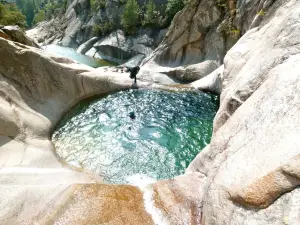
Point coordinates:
[(134, 86)]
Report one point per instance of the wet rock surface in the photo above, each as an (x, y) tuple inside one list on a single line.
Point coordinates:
[(96, 204)]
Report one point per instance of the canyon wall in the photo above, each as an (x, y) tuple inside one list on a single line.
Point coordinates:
[(248, 174)]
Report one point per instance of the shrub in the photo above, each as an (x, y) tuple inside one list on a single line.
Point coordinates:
[(222, 4), (104, 29), (173, 6), (130, 17), (10, 15), (97, 4)]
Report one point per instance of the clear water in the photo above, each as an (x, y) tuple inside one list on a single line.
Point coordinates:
[(168, 131), (71, 53)]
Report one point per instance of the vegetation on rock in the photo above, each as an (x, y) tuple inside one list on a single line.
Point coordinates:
[(130, 17), (39, 17), (152, 15), (173, 7), (40, 10), (134, 15), (261, 13), (97, 4), (10, 15), (104, 29)]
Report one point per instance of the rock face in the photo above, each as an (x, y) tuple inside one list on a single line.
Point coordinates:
[(82, 49), (252, 162), (248, 174), (35, 89), (76, 28), (199, 37), (37, 188), (15, 33), (119, 48)]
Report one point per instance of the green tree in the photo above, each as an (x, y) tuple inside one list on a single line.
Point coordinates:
[(173, 6), (151, 17), (130, 17), (104, 29), (10, 15), (39, 17)]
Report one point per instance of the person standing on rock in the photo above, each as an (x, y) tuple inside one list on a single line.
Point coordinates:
[(133, 72)]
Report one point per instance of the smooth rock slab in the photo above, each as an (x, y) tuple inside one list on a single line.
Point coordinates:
[(96, 204)]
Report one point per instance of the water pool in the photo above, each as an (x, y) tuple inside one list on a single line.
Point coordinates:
[(71, 53), (136, 134)]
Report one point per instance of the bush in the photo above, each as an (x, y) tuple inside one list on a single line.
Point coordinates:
[(10, 15), (173, 6), (130, 17), (101, 30), (97, 4)]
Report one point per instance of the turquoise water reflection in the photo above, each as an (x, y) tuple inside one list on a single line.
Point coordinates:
[(71, 53), (168, 131)]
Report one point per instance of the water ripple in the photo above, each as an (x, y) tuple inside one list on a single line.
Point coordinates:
[(169, 130)]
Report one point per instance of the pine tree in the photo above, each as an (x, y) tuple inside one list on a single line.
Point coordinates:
[(151, 15), (130, 17)]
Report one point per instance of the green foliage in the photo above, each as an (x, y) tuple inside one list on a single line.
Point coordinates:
[(230, 30), (222, 4), (97, 4), (39, 17), (10, 15), (261, 13), (39, 10), (130, 17), (235, 32), (173, 6), (104, 29), (151, 16)]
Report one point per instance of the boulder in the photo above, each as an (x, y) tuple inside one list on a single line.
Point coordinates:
[(194, 72), (16, 34), (211, 83), (83, 48), (118, 47)]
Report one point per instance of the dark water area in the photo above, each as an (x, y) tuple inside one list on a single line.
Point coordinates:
[(136, 134)]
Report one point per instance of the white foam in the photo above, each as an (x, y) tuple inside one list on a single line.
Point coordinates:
[(140, 180), (143, 182), (157, 215)]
